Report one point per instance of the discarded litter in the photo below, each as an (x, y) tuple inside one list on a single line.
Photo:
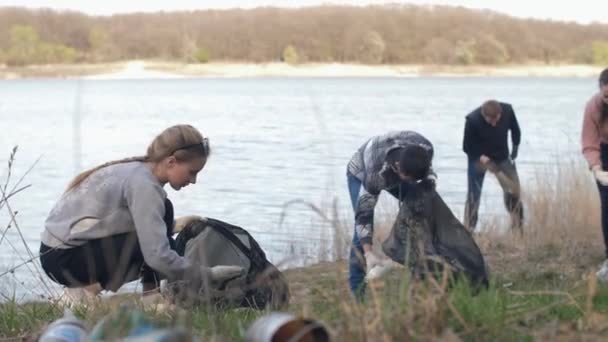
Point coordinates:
[(283, 327), (130, 324), (66, 329)]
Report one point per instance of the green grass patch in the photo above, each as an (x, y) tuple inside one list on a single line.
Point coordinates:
[(513, 308)]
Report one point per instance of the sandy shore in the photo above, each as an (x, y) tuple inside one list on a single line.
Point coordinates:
[(58, 70), (358, 70), (163, 70)]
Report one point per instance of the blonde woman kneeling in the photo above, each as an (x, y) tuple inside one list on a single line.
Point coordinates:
[(114, 224)]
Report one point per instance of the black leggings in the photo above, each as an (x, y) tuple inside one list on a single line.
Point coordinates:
[(111, 261), (604, 197)]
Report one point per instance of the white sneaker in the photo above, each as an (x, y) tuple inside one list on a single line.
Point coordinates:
[(602, 274)]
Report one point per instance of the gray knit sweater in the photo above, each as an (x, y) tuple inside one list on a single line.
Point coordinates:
[(117, 199)]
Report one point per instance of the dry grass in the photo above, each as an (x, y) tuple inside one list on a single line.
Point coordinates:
[(543, 284), (562, 231)]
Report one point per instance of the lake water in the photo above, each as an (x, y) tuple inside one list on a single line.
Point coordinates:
[(274, 140)]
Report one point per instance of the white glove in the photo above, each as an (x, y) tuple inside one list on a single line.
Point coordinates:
[(224, 272), (380, 270), (371, 260), (182, 222), (198, 276), (602, 274), (376, 266), (601, 176)]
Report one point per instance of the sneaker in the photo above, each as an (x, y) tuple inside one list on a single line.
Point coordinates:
[(602, 274)]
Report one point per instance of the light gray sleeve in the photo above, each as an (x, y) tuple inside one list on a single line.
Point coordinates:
[(146, 202)]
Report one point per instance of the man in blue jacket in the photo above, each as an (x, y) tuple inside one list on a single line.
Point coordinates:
[(486, 145)]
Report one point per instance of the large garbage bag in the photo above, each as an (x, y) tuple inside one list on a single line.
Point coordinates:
[(427, 237), (211, 242)]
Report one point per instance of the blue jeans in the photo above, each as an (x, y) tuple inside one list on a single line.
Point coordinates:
[(356, 261)]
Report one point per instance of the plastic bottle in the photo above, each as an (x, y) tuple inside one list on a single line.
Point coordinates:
[(130, 325), (66, 329)]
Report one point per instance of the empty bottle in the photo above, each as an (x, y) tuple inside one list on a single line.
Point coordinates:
[(66, 329)]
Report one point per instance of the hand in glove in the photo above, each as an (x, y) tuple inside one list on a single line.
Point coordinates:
[(514, 151), (371, 260), (225, 272), (197, 276), (199, 282), (601, 176), (376, 266), (429, 182), (182, 222), (380, 270), (484, 160)]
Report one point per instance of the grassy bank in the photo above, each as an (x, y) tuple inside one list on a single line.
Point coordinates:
[(542, 288)]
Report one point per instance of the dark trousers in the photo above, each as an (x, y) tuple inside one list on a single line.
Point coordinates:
[(604, 196), (356, 261), (111, 261), (508, 180)]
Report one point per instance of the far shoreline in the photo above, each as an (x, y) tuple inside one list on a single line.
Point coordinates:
[(161, 70)]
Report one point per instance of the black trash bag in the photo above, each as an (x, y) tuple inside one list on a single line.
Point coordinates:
[(427, 237), (212, 242)]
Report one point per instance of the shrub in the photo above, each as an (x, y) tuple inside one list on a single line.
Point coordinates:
[(201, 55), (290, 55), (600, 52)]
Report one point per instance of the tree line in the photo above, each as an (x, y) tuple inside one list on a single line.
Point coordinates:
[(387, 34)]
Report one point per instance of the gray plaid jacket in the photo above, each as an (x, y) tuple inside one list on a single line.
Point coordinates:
[(368, 165)]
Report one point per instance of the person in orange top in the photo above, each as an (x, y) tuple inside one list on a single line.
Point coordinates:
[(594, 139)]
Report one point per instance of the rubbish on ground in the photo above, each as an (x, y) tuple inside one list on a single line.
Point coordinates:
[(283, 327), (130, 324), (66, 329)]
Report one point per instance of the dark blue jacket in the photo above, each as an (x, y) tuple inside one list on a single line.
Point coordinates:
[(481, 138)]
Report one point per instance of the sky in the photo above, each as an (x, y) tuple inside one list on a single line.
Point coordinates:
[(582, 11)]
